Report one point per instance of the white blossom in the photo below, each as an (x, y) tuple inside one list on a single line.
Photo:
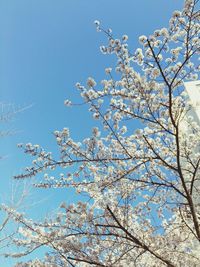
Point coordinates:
[(91, 82)]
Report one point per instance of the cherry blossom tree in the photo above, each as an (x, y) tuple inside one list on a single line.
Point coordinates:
[(7, 229), (141, 184), (7, 112)]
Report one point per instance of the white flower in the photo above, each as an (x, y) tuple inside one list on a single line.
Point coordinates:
[(125, 37), (59, 140), (65, 132), (56, 133), (123, 129), (97, 22), (67, 102), (96, 132), (103, 49), (108, 70), (142, 39), (91, 82), (160, 57), (96, 116), (164, 32), (78, 85), (177, 13)]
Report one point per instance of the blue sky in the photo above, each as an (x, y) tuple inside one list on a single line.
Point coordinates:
[(47, 46)]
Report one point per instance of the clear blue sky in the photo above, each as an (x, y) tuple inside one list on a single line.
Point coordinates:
[(47, 46)]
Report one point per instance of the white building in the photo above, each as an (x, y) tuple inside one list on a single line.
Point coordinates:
[(193, 93)]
